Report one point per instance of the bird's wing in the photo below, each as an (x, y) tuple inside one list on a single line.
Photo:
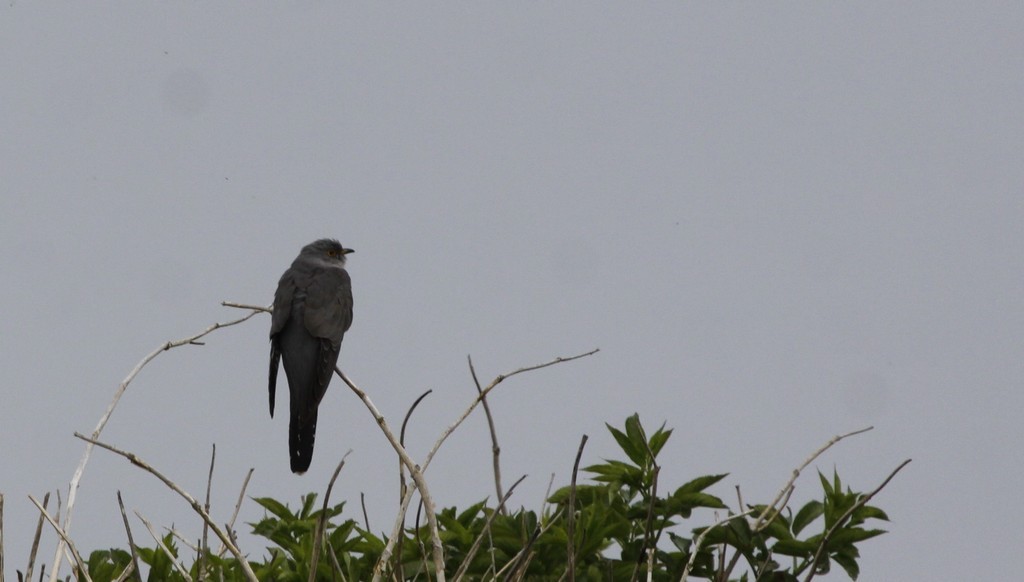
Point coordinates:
[(329, 305), (282, 309), (282, 302), (328, 315)]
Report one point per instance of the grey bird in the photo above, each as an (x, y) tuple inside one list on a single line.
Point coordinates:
[(312, 312)]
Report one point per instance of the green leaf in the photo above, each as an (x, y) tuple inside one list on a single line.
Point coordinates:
[(638, 438), (658, 439), (848, 563), (308, 501), (866, 512), (700, 483), (852, 535), (636, 454), (825, 485), (795, 547), (680, 501), (807, 514), (275, 507)]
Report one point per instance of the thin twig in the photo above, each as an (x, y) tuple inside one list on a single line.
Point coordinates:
[(521, 560), (204, 547), (238, 505), (135, 460), (160, 542), (495, 448), (402, 485), (571, 517), (424, 495), (77, 477), (184, 540), (321, 523), (366, 517), (762, 520), (695, 547), (83, 570), (483, 394), (1, 537), (485, 531), (842, 519), (414, 472), (335, 566), (128, 571), (256, 308), (131, 539), (649, 524), (35, 541)]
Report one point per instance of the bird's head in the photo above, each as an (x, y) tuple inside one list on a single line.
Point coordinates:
[(326, 249)]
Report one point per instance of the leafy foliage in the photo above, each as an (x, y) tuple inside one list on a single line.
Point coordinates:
[(624, 523)]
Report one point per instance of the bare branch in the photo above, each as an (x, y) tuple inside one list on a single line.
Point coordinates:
[(77, 477), (335, 566), (843, 518), (483, 394), (83, 571), (774, 508), (160, 542), (128, 571), (417, 472), (321, 523), (234, 516), (401, 439), (485, 531), (414, 471), (366, 516), (695, 547), (131, 539), (256, 308), (135, 460), (495, 448), (517, 565), (35, 541), (204, 547), (571, 517)]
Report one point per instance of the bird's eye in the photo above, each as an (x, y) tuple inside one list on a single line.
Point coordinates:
[(332, 253)]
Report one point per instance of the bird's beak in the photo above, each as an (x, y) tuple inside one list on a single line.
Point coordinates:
[(347, 251)]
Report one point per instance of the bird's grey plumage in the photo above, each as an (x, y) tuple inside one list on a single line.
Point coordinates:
[(312, 312)]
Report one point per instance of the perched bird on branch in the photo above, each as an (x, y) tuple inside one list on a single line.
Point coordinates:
[(312, 312)]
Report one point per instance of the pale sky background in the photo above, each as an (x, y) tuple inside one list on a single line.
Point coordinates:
[(779, 222)]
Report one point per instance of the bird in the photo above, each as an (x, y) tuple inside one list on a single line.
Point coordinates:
[(312, 312)]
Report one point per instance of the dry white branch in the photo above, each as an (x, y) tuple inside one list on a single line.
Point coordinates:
[(160, 542), (234, 516), (128, 571), (522, 559), (424, 495), (417, 477), (774, 508), (495, 447), (131, 539), (203, 544), (321, 524), (695, 547), (461, 572), (83, 571), (196, 506), (77, 477), (35, 541)]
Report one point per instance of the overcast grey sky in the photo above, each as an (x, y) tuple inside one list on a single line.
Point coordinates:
[(778, 222)]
